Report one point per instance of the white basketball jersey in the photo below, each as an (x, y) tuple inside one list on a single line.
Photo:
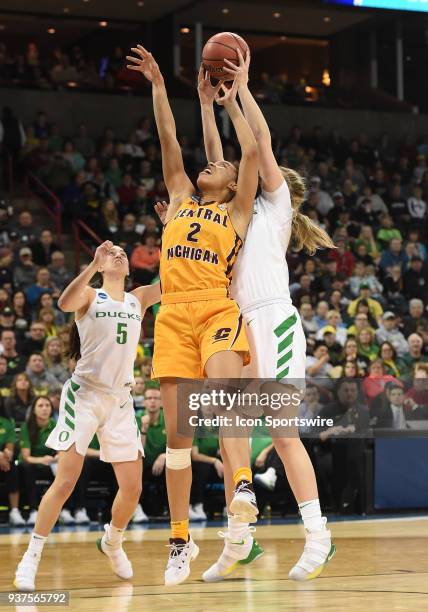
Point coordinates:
[(109, 334), (260, 274)]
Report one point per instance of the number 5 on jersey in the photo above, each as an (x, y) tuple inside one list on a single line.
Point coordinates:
[(122, 334)]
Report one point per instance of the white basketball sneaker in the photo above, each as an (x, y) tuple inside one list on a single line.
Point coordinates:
[(180, 555), (26, 571), (318, 551), (244, 504), (235, 554), (267, 479), (120, 564), (139, 515)]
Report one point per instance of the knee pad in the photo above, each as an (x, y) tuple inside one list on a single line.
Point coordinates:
[(178, 458)]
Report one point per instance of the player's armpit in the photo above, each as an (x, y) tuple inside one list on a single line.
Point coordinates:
[(148, 295)]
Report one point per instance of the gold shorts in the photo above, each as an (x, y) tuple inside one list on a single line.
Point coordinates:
[(190, 327)]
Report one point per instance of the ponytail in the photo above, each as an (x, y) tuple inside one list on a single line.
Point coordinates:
[(74, 350), (306, 235)]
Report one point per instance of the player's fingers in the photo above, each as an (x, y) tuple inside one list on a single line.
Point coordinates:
[(241, 59), (136, 60), (133, 67), (230, 70), (230, 64), (138, 52), (201, 72), (144, 51)]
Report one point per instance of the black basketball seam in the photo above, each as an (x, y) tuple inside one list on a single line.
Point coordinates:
[(221, 44), (243, 50)]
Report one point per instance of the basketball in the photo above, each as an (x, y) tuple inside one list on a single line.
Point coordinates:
[(220, 47)]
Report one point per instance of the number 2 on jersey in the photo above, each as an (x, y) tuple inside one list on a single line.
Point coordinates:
[(122, 334), (196, 229)]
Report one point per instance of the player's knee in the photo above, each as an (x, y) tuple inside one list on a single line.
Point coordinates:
[(286, 444), (178, 458), (64, 486)]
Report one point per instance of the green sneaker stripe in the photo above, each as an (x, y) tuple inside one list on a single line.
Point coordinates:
[(282, 374), (70, 410), (284, 359), (285, 326), (255, 552), (70, 396), (74, 385), (69, 423), (285, 343)]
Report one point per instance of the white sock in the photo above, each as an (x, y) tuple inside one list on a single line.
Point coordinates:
[(36, 544), (310, 512), (237, 530), (114, 535)]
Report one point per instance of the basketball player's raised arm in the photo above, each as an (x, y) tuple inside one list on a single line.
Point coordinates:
[(270, 173), (177, 182), (248, 176), (77, 296), (148, 295), (207, 94)]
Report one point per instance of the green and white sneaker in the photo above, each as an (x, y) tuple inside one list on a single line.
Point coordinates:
[(119, 562), (318, 551), (235, 554)]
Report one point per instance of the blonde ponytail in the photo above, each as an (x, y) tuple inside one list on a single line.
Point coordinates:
[(306, 235)]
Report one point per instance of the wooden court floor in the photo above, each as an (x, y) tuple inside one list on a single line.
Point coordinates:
[(380, 565)]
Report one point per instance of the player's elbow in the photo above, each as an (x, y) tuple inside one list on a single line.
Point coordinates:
[(64, 304)]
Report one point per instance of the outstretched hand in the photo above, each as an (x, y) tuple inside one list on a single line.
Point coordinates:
[(146, 64), (228, 98), (206, 90), (101, 253), (161, 209), (240, 72)]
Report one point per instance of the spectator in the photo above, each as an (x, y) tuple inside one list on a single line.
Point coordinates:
[(309, 408), (349, 417), (46, 301), (318, 365), (43, 284), (309, 322), (54, 359), (153, 436), (20, 399), (387, 231), (126, 192), (416, 314), (15, 360), (394, 256), (26, 228), (389, 332), (83, 143), (127, 235), (5, 378), (8, 469), (22, 312), (59, 274), (47, 317), (415, 280), (24, 274), (36, 458), (416, 205), (43, 248), (43, 382), (389, 359), (366, 344), (138, 393), (12, 136), (334, 320), (36, 340), (73, 157), (376, 380), (387, 411), (374, 308), (416, 398), (145, 260), (7, 319), (413, 357)]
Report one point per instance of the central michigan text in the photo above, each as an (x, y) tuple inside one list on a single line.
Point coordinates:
[(194, 253)]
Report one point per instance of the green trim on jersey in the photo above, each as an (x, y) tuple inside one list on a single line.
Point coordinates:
[(284, 343)]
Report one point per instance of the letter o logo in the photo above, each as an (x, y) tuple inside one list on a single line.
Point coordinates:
[(63, 436)]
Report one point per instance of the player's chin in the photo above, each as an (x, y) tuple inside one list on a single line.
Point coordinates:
[(203, 181)]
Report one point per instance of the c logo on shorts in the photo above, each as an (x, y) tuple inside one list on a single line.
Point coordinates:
[(222, 334), (63, 436)]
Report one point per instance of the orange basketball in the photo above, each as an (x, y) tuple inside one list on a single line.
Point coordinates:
[(220, 47)]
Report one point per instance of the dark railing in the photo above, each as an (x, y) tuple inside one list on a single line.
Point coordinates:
[(50, 201), (81, 230)]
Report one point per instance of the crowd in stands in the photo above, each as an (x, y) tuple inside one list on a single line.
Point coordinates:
[(363, 305)]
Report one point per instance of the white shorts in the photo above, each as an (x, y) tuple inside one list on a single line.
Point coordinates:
[(84, 411), (277, 344)]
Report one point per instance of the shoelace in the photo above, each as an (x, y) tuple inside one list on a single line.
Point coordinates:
[(175, 557), (226, 536), (244, 488)]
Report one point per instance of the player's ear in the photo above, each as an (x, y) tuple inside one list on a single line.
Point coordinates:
[(232, 186)]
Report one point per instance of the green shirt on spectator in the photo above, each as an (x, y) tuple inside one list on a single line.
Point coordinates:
[(7, 432), (207, 446), (387, 234), (155, 443), (39, 449)]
